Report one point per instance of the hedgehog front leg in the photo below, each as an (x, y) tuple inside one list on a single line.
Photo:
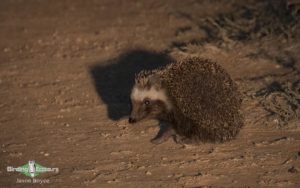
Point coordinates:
[(166, 131), (183, 140)]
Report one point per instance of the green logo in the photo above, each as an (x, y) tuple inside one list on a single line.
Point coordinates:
[(32, 169)]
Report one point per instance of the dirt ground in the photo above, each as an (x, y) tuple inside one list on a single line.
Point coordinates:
[(67, 67)]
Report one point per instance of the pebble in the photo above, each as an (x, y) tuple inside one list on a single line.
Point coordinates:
[(78, 40), (141, 167), (178, 175), (105, 135), (46, 123), (46, 154), (6, 50), (40, 41), (112, 181), (148, 173)]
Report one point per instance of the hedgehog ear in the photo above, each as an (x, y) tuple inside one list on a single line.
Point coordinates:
[(155, 81)]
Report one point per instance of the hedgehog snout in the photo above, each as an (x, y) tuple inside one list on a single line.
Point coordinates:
[(131, 120)]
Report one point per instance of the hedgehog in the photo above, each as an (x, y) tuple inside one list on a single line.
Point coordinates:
[(194, 99)]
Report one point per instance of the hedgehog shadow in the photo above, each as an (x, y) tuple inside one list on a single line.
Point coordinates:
[(114, 78)]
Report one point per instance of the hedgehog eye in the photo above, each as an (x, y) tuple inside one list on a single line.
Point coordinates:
[(146, 102)]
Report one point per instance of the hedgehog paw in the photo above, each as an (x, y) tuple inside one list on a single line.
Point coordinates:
[(182, 140), (161, 138), (163, 135), (157, 140)]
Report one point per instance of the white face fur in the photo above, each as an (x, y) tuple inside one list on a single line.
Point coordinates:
[(151, 94)]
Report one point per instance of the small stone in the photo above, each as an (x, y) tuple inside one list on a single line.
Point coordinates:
[(6, 50), (46, 123), (276, 121), (112, 181), (178, 175), (78, 40), (46, 154), (141, 167), (105, 135), (148, 173), (95, 44)]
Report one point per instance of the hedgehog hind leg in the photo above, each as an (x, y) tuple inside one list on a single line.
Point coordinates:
[(166, 131)]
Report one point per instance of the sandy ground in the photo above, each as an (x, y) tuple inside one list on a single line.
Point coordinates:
[(65, 75)]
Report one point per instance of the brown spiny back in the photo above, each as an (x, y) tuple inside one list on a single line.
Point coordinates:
[(206, 100)]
